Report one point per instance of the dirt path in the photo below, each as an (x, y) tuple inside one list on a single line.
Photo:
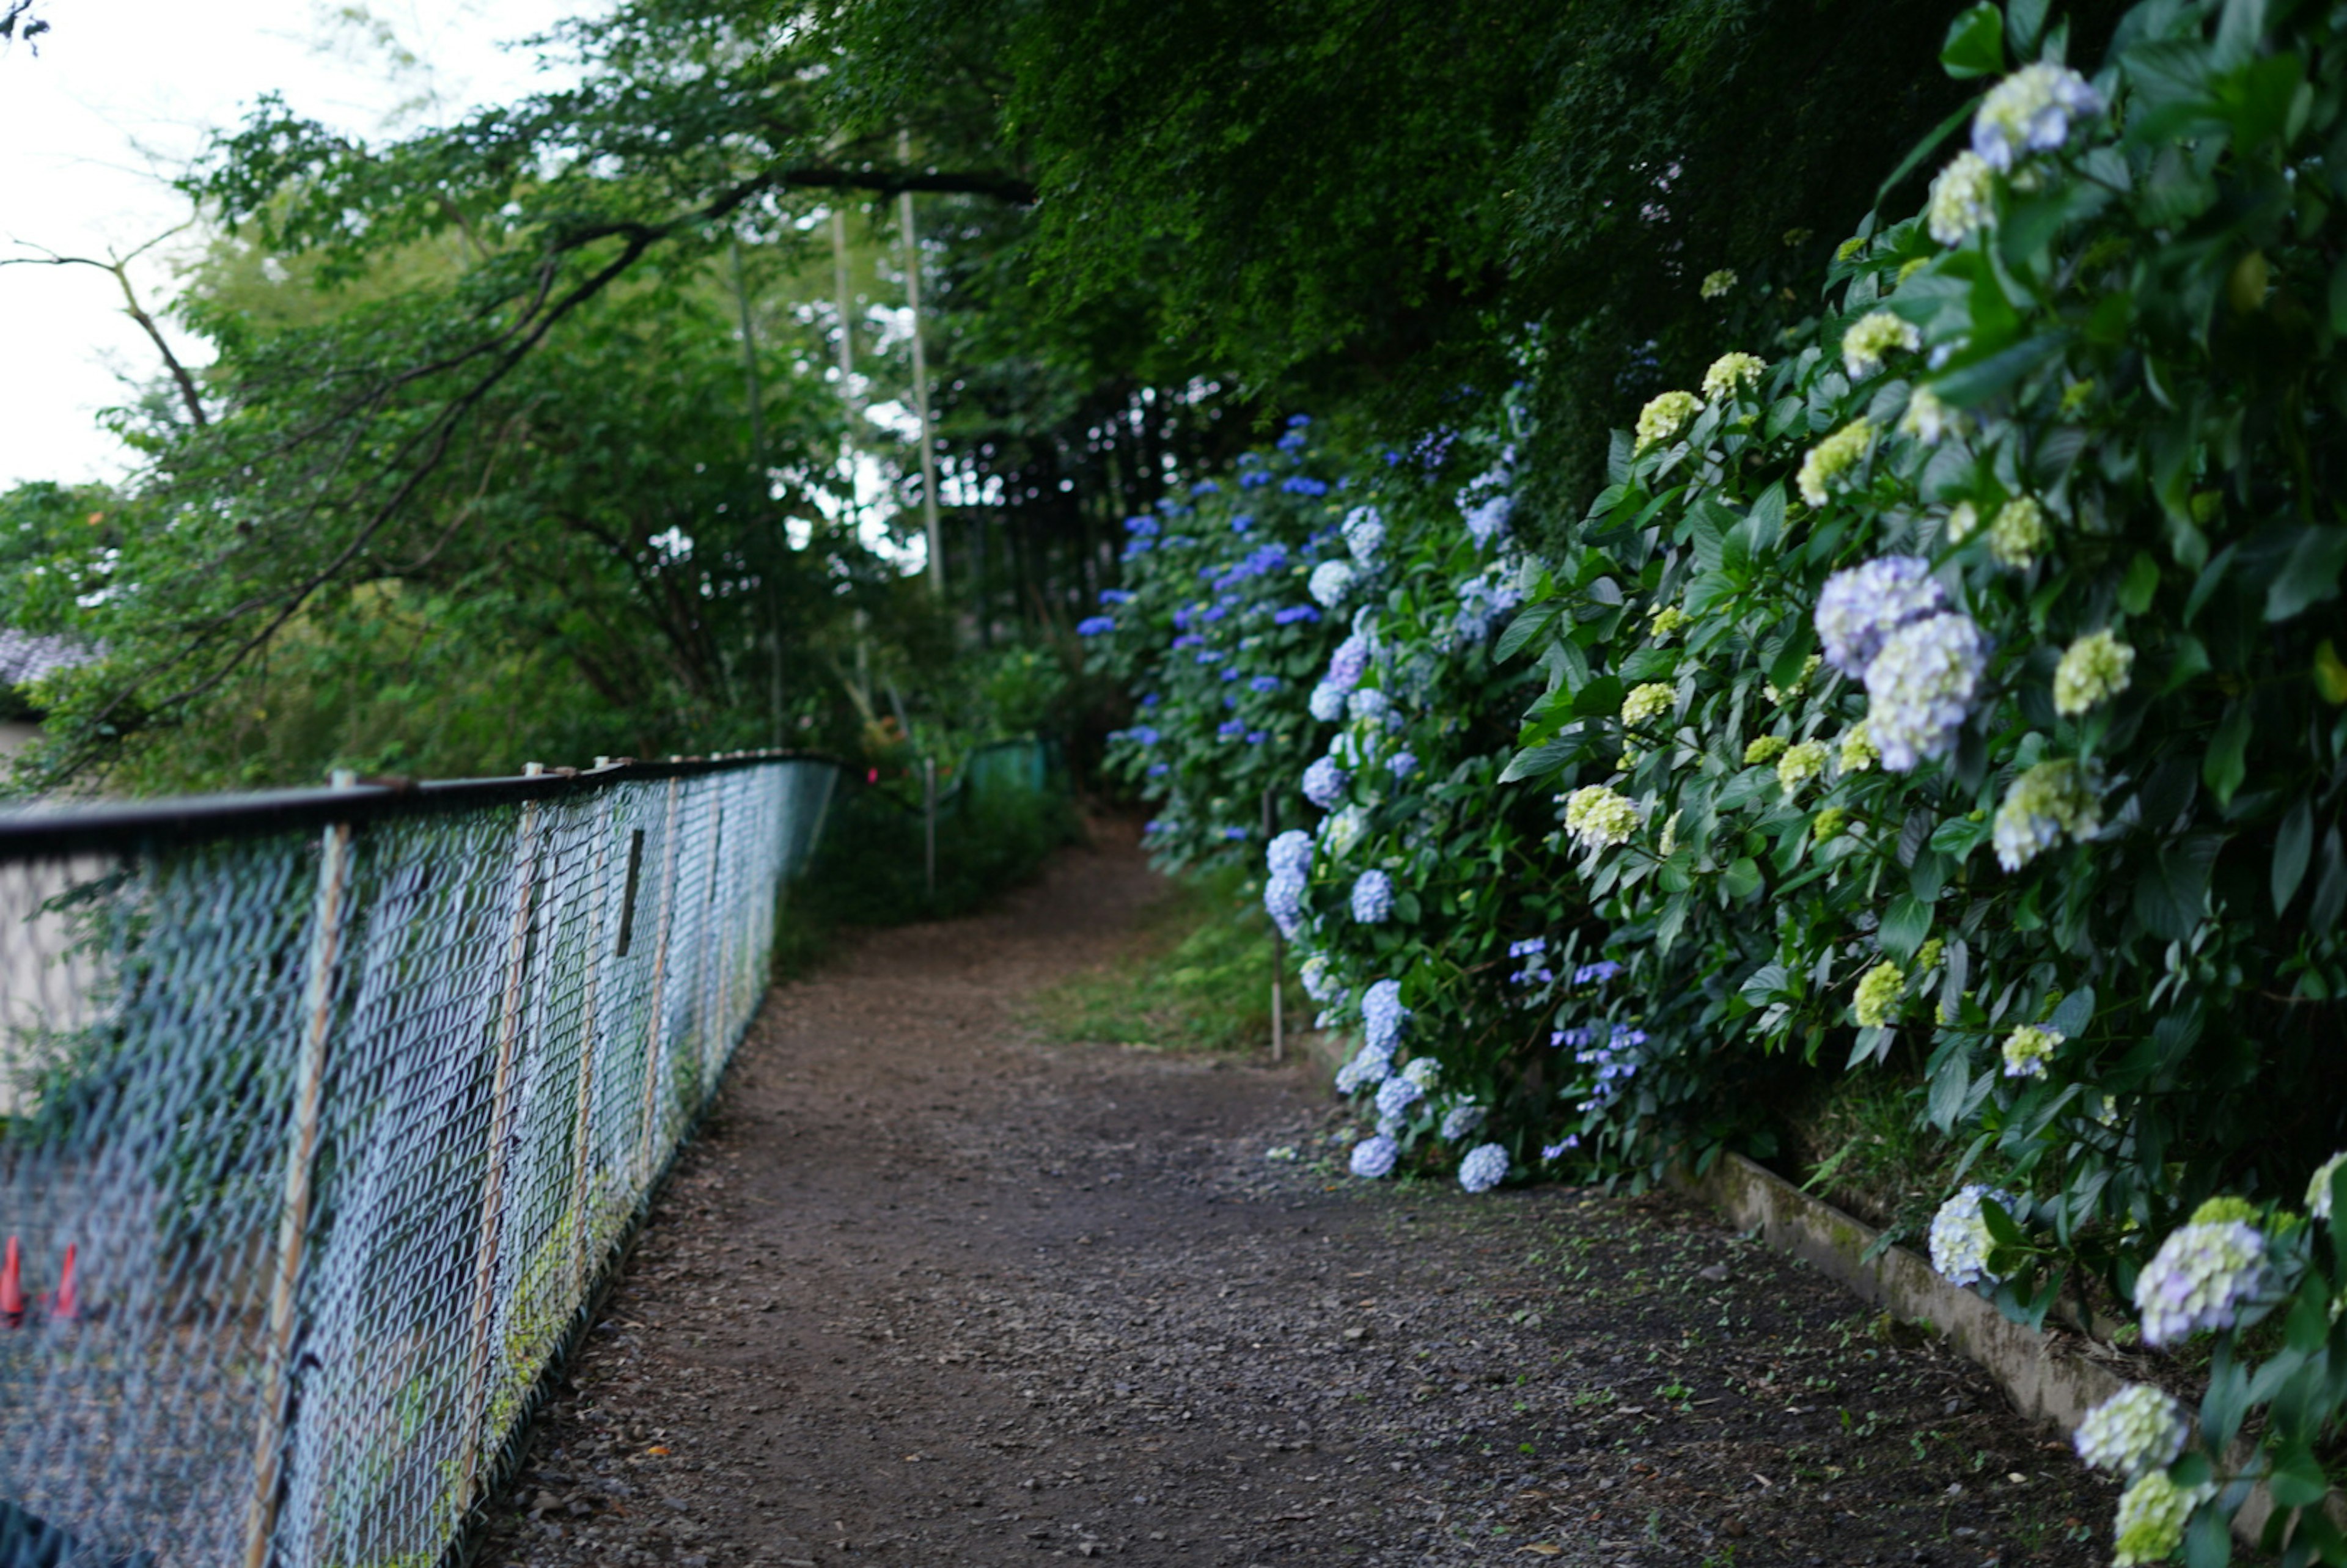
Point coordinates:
[(930, 1292)]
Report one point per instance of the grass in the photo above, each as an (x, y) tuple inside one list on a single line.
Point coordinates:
[(1199, 979), (1857, 1141)]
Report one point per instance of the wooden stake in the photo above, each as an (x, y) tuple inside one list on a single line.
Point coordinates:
[(1278, 958)]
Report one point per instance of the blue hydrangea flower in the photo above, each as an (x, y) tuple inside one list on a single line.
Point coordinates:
[(1858, 609), (1424, 1071), (1350, 662), (1529, 947), (1291, 442), (1557, 1151), (1115, 596), (1402, 764), (1293, 613), (1372, 898), (1264, 684), (1460, 1121), (1206, 487), (1290, 854), (1921, 688), (2031, 111), (1320, 982), (1254, 479), (1488, 520), (1365, 536), (1326, 702), (1095, 625), (1330, 581), (1142, 528), (1283, 900), (1303, 485), (1243, 522), (1382, 1016), (1375, 1157), (1484, 1168), (1366, 1068), (1325, 784), (1369, 704), (1159, 770), (1144, 734), (1598, 973), (1960, 1240), (1230, 729), (1299, 421), (1398, 1094)]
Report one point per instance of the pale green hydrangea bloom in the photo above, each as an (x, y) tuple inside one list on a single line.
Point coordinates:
[(1832, 457), (2318, 1191), (1927, 957), (1963, 522), (1667, 621), (1800, 681), (1600, 816), (1799, 764), (2138, 1429), (1879, 990), (1733, 372), (1645, 702), (1962, 198), (2225, 1210), (1670, 836), (1857, 752), (2028, 1049), (1665, 416), (2047, 802), (1716, 284), (2093, 670), (1828, 823), (1873, 338), (1766, 749), (2018, 534), (1928, 418), (2151, 1519)]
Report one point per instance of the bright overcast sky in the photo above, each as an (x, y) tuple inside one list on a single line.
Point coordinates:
[(122, 96)]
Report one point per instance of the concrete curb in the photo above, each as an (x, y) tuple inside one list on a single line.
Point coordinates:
[(2047, 1377)]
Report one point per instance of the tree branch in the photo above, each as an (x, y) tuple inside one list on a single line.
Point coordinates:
[(119, 267)]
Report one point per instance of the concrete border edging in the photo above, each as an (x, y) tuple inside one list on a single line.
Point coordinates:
[(2044, 1380)]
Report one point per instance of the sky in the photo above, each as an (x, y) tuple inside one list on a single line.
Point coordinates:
[(122, 95)]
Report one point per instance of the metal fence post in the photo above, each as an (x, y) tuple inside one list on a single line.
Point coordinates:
[(301, 1157), (1278, 957), (583, 1124), (660, 975), (493, 1180)]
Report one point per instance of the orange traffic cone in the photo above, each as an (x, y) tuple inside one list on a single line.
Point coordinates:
[(64, 1307), (11, 1286)]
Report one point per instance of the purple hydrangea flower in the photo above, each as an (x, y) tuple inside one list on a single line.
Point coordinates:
[(1484, 1168), (1283, 900), (1325, 784), (1290, 854), (1382, 1016), (1095, 625), (1374, 1157), (1398, 1094), (1372, 898), (2201, 1277), (1402, 764), (1920, 687)]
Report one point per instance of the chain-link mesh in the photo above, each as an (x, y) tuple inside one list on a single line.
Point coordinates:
[(317, 1142)]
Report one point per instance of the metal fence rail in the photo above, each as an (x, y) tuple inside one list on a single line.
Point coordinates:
[(325, 1112)]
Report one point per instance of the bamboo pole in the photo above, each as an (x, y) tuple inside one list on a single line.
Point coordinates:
[(300, 1159), (493, 1180), (929, 825), (921, 377)]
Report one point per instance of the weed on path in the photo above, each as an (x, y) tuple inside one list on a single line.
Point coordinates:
[(930, 1292)]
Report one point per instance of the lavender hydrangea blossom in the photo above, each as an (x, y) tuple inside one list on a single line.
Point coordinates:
[(1858, 609), (2201, 1277), (1283, 900), (1375, 1157), (2136, 1429), (1382, 1016), (1326, 702), (1460, 1121), (1960, 1239), (1484, 1167), (1921, 688), (1325, 784), (1365, 536), (1396, 1094), (1372, 898), (1290, 854)]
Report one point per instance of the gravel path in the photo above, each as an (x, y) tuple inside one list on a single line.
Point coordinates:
[(930, 1292)]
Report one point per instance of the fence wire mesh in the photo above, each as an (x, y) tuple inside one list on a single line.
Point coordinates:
[(318, 1139)]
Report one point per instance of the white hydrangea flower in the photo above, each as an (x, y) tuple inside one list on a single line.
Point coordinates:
[(1873, 338), (1963, 522), (1484, 1168), (2048, 801), (1328, 703), (2094, 669), (2318, 1191), (2200, 1278), (1963, 198), (1330, 581), (2031, 111), (1799, 764), (2028, 1049), (1320, 982), (1928, 418), (1365, 1068), (1719, 284), (1365, 536), (1375, 1157), (1599, 816), (1424, 1071), (1960, 1240), (2138, 1428), (1733, 372), (1665, 415), (1340, 831), (2017, 534), (1857, 754)]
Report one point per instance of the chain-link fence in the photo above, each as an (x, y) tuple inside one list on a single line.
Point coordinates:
[(325, 1112)]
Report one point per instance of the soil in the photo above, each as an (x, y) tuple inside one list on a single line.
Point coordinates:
[(931, 1291)]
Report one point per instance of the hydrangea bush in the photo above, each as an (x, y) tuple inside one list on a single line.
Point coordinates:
[(1958, 670)]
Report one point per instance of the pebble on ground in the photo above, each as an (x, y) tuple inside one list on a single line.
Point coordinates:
[(928, 1291)]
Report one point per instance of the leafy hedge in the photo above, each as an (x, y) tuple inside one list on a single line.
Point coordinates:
[(1966, 678)]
